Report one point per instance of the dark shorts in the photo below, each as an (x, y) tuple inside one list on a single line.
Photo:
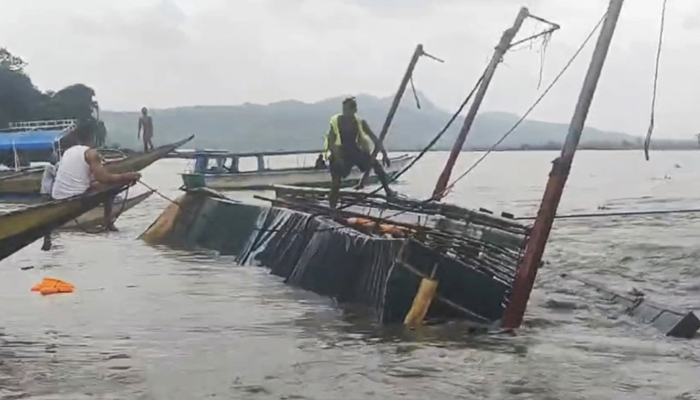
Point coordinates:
[(356, 158)]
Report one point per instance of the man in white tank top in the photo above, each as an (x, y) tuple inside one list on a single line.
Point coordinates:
[(81, 170)]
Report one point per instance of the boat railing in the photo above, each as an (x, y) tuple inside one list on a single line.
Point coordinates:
[(53, 124)]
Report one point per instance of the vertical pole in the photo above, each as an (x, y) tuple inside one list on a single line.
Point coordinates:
[(527, 272), (395, 105), (501, 50)]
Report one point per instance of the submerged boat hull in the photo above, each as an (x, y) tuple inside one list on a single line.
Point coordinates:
[(29, 183), (22, 227), (255, 180), (324, 256)]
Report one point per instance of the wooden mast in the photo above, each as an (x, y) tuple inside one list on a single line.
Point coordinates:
[(501, 49), (527, 272), (417, 53)]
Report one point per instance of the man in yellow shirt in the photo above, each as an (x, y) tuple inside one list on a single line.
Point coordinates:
[(349, 142)]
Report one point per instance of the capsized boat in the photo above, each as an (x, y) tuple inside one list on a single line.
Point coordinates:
[(355, 258), (21, 227), (95, 217), (29, 183), (220, 171)]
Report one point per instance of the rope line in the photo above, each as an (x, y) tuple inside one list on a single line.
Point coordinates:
[(650, 131), (620, 214)]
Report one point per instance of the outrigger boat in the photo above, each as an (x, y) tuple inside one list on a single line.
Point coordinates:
[(21, 227), (95, 217), (220, 171), (28, 183), (405, 260)]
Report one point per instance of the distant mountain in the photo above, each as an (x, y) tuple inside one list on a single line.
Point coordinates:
[(294, 125)]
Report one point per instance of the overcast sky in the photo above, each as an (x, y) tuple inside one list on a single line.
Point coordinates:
[(166, 53)]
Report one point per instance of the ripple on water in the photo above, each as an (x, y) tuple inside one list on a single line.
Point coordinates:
[(154, 323)]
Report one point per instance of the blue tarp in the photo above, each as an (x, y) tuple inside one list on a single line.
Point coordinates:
[(30, 140)]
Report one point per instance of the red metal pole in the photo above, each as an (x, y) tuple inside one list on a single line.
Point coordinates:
[(527, 272), (501, 49)]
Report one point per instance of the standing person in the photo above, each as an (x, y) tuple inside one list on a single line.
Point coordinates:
[(146, 124), (81, 170), (47, 180), (348, 141)]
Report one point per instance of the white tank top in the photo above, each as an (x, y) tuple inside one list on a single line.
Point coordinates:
[(73, 176)]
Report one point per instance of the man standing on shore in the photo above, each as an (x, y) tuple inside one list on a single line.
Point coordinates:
[(146, 124)]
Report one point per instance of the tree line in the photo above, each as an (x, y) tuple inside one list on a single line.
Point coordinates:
[(21, 101)]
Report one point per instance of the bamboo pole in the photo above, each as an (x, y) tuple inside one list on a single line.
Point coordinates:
[(417, 53)]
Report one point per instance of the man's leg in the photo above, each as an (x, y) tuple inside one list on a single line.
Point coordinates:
[(381, 174), (46, 246), (145, 145), (109, 205), (336, 169), (334, 194)]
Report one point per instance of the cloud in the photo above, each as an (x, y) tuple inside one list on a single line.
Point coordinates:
[(164, 53)]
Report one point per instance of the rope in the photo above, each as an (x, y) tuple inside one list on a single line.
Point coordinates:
[(527, 113), (620, 214), (647, 141), (415, 94), (105, 227)]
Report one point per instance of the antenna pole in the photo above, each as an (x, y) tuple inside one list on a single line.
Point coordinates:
[(527, 272), (498, 54)]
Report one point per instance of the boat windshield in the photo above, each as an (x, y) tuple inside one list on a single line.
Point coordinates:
[(215, 165)]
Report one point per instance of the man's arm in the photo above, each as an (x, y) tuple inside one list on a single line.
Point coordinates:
[(375, 139), (102, 175), (138, 131)]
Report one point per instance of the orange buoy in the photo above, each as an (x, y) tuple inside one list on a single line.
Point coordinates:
[(53, 286)]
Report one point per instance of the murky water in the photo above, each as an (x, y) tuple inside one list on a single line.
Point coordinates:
[(151, 323)]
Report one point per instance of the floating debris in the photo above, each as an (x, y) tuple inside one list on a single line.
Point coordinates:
[(53, 286)]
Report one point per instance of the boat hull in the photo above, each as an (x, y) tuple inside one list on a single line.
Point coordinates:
[(95, 217), (321, 255), (256, 180), (22, 227), (28, 184)]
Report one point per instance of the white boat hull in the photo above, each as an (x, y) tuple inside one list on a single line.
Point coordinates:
[(291, 177)]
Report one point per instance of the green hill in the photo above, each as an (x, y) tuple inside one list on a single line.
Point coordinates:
[(294, 125)]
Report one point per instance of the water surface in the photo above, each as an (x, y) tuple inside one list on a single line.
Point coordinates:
[(153, 323)]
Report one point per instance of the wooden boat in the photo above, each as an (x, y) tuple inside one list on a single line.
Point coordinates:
[(29, 183), (473, 254), (406, 260), (21, 227), (379, 253), (95, 217), (220, 177)]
